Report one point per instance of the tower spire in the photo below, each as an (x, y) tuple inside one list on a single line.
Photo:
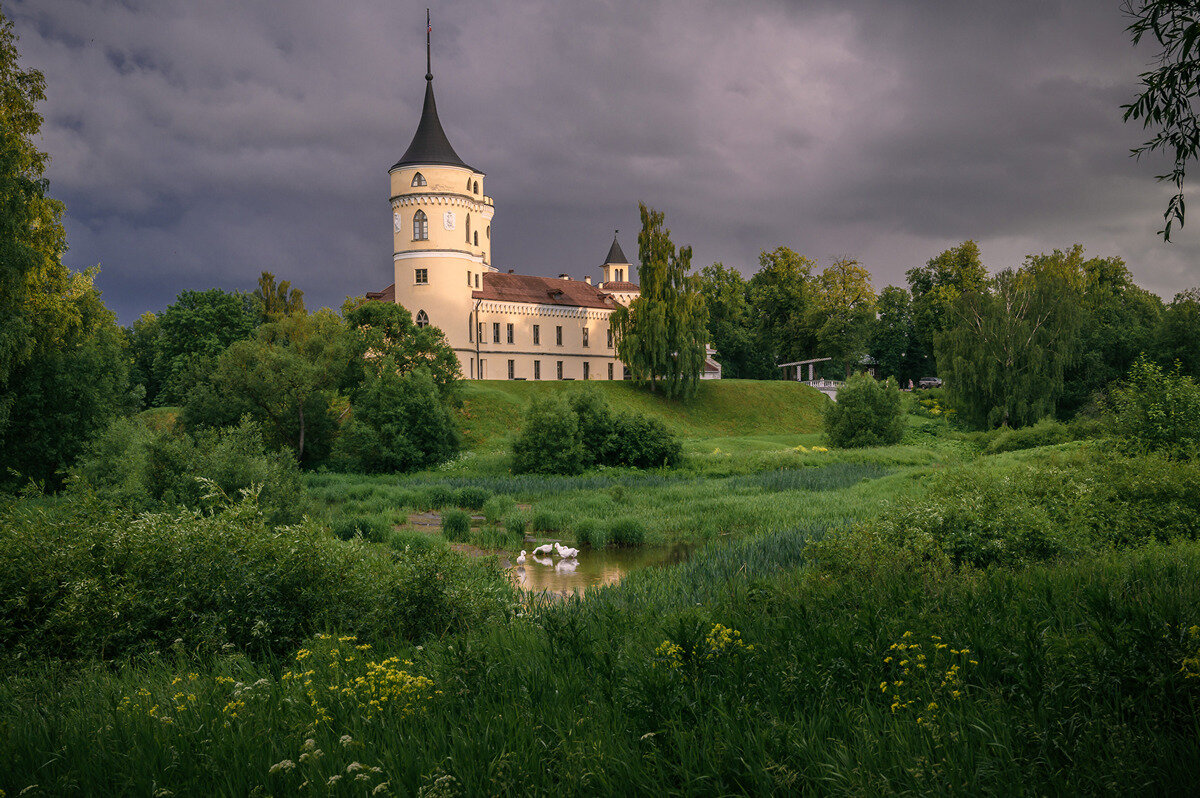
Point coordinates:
[(428, 50)]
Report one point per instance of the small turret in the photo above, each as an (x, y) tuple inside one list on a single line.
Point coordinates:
[(616, 267)]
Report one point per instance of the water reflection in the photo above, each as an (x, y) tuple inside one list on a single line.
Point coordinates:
[(592, 568)]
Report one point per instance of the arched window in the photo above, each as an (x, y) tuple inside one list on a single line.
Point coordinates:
[(476, 238), (422, 319), (468, 228), (420, 226), (489, 232), (476, 186), (418, 179)]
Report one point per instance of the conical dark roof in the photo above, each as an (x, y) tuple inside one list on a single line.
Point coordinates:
[(430, 145), (615, 255)]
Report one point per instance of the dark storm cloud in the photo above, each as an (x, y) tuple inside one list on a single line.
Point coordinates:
[(198, 143)]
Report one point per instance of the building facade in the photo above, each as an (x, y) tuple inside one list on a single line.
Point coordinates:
[(501, 325)]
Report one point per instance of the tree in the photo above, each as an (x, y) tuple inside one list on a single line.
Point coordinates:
[(891, 334), (141, 339), (1166, 105), (276, 300), (935, 287), (781, 298), (1175, 339), (843, 311), (383, 332), (192, 333), (288, 377), (1005, 355), (866, 413), (730, 325), (661, 336)]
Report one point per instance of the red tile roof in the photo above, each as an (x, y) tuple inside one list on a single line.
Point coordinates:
[(386, 295), (624, 286), (542, 291)]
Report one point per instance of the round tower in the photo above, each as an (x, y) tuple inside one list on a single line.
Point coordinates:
[(441, 228)]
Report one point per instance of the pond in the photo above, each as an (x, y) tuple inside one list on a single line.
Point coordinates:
[(592, 568)]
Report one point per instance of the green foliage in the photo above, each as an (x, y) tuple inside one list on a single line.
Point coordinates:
[(1178, 331), (496, 507), (935, 288), (133, 466), (661, 335), (375, 529), (730, 322), (549, 440), (595, 424), (1005, 357), (515, 524), (189, 336), (287, 378), (1167, 102), (891, 335), (106, 583), (1158, 411), (276, 300), (844, 311), (781, 299), (641, 442), (590, 532), (1046, 432), (866, 413), (627, 532), (544, 520), (399, 423), (470, 498), (456, 525), (383, 335), (437, 496)]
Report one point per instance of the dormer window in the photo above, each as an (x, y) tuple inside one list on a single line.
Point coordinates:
[(422, 319), (418, 179)]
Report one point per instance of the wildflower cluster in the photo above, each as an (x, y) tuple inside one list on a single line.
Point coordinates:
[(337, 673), (921, 676), (805, 449), (720, 643), (668, 654), (932, 408), (723, 640), (1190, 666)]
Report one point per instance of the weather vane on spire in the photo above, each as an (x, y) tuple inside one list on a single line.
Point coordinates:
[(428, 56)]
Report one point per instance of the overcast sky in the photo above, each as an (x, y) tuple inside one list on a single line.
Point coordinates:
[(199, 143)]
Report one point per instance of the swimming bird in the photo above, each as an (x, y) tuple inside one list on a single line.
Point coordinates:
[(521, 559)]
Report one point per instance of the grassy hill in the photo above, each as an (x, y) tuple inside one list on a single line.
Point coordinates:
[(492, 409)]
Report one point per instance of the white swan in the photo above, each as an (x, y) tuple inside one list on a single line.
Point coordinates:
[(543, 551), (521, 558)]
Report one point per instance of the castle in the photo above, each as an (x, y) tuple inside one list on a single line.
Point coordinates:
[(501, 325)]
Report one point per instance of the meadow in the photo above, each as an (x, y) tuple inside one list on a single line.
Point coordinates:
[(918, 618)]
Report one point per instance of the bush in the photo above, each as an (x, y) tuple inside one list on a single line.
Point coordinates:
[(866, 413), (1046, 432), (548, 521), (471, 498), (400, 423), (456, 525), (497, 507), (595, 424), (139, 468), (1158, 411), (590, 532), (376, 529), (642, 442), (94, 581), (627, 532), (515, 524), (549, 441), (440, 496)]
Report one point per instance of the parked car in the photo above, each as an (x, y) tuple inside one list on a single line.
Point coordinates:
[(930, 382)]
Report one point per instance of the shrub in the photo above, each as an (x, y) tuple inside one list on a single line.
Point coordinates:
[(456, 525), (590, 532), (549, 441), (866, 413), (595, 424), (95, 581), (400, 423), (496, 507), (440, 496), (471, 498), (376, 529), (140, 468), (515, 524), (642, 442), (548, 521), (627, 532), (1046, 432), (1158, 411)]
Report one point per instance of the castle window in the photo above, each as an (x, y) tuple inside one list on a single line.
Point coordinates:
[(468, 184), (476, 280), (422, 277), (418, 179), (476, 238), (470, 329), (587, 369), (476, 186), (489, 232), (620, 275), (420, 226), (537, 369), (472, 368), (495, 332), (537, 334), (479, 331), (610, 337), (468, 279), (468, 228), (585, 336), (560, 369), (510, 333), (512, 369), (610, 371), (558, 334), (422, 319)]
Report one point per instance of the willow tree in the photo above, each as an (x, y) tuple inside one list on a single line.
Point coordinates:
[(661, 336), (1005, 355)]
